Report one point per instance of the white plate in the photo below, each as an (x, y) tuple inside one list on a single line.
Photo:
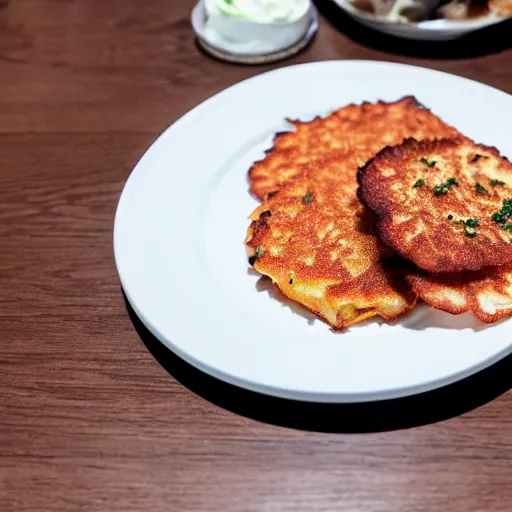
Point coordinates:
[(433, 30), (179, 249)]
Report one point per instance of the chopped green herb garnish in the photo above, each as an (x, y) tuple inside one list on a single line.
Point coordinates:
[(480, 189), (495, 183), (308, 198), (501, 216), (419, 183), (469, 227), (427, 162), (441, 190), (258, 253), (472, 223), (507, 227)]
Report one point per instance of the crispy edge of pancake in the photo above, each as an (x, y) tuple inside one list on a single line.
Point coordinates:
[(470, 256), (476, 292), (349, 315), (262, 192)]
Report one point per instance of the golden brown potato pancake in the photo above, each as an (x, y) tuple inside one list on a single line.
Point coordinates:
[(314, 240), (444, 205), (313, 237)]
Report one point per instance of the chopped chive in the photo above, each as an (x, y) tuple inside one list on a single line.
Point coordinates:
[(507, 227), (441, 190), (258, 253), (469, 227), (495, 183), (501, 216), (472, 223), (498, 217), (419, 183)]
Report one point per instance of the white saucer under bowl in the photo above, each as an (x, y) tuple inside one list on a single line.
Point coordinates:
[(252, 53)]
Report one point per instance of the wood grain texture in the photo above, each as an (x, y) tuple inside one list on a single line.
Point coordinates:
[(89, 421)]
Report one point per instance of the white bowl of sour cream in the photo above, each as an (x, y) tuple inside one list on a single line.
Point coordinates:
[(252, 27)]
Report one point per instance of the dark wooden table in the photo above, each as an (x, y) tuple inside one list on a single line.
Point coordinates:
[(89, 419)]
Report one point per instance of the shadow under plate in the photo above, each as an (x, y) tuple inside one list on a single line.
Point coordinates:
[(379, 416)]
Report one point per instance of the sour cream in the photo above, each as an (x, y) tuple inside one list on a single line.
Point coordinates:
[(262, 11)]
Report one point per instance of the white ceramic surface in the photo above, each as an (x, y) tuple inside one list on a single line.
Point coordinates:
[(179, 249), (250, 37), (433, 30)]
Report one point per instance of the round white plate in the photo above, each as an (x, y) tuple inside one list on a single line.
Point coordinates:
[(179, 250), (432, 30)]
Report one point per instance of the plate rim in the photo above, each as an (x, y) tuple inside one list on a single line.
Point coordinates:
[(313, 396)]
